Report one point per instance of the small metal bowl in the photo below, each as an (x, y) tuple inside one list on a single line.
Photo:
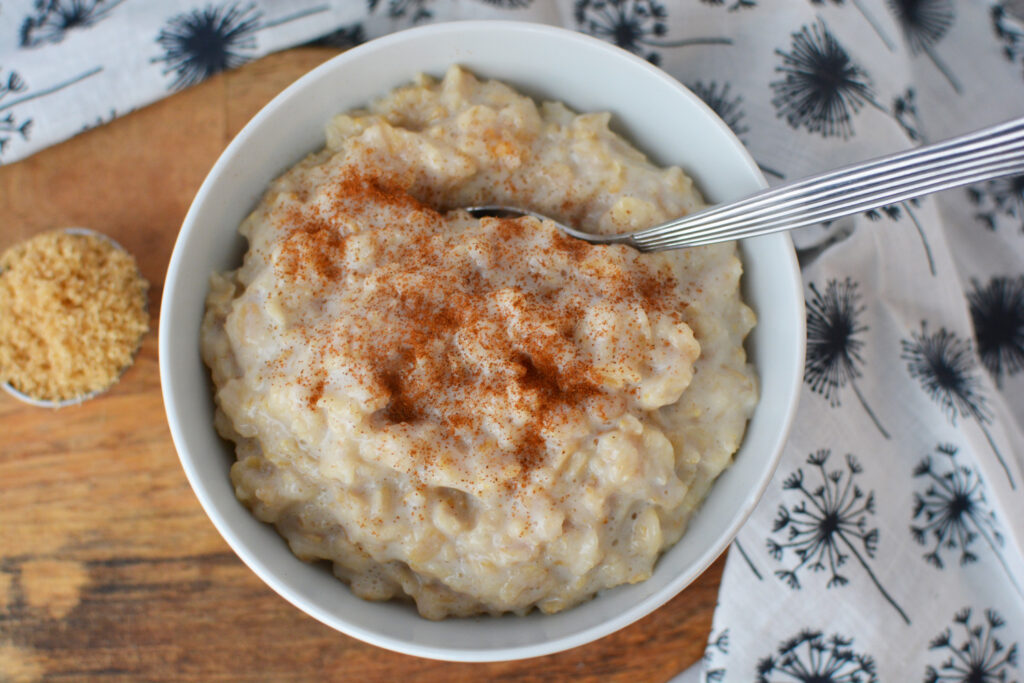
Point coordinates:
[(75, 400)]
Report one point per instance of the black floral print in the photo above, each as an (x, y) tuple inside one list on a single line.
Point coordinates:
[(287, 18), (810, 657), (14, 91), (53, 19), (868, 17), (975, 654), (204, 42), (11, 127), (413, 10), (952, 512), (729, 108), (999, 196), (997, 309), (105, 119), (1008, 32), (944, 365), (734, 6), (343, 37), (891, 211), (746, 558), (827, 524), (895, 212), (635, 25), (834, 343), (509, 4), (12, 84), (924, 23), (904, 110), (822, 87), (717, 644)]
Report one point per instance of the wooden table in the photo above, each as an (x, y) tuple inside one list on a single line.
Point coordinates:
[(108, 565)]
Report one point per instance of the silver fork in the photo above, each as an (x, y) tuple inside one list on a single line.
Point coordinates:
[(975, 157)]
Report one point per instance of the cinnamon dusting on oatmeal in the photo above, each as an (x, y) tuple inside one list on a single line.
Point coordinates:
[(459, 337), (483, 416)]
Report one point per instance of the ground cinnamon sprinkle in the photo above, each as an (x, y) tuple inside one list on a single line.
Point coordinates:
[(72, 314), (440, 303)]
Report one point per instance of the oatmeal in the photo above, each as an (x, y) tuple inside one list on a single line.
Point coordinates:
[(483, 416)]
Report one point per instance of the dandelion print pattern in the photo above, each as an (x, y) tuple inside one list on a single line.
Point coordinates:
[(833, 343), (904, 110), (105, 119), (729, 108), (53, 19), (997, 310), (924, 24), (822, 88), (717, 644), (203, 42), (509, 4), (413, 10), (944, 365), (868, 17), (10, 126), (1007, 32), (746, 558), (811, 658), (721, 101), (634, 25), (980, 657), (1000, 196), (895, 212), (827, 524), (737, 5), (344, 37), (952, 512)]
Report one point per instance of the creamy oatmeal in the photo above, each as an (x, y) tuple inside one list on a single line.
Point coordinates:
[(479, 415)]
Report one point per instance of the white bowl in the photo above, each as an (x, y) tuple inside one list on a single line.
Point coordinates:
[(654, 111)]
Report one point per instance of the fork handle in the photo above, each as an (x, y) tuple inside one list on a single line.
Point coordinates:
[(982, 155)]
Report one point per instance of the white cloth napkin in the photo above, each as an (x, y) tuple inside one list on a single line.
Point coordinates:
[(887, 546)]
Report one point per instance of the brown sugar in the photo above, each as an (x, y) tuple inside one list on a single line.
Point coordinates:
[(72, 314)]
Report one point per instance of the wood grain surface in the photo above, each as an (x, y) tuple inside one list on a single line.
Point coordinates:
[(108, 566)]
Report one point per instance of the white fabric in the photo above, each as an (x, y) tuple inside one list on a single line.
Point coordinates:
[(886, 548)]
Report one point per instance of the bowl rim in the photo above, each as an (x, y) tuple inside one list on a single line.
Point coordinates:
[(178, 268)]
